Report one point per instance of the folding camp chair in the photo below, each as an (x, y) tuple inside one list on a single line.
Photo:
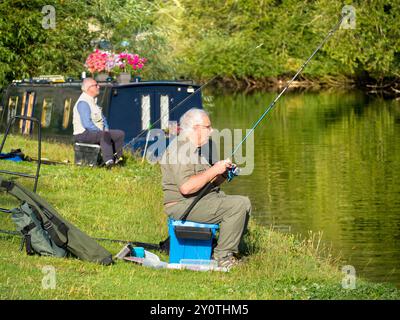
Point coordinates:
[(23, 119), (25, 175)]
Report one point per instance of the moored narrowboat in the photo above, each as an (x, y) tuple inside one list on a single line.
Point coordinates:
[(133, 107)]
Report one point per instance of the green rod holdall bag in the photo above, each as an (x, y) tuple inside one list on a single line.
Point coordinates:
[(36, 239), (58, 231)]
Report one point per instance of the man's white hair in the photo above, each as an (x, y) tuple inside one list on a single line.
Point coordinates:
[(85, 84), (190, 118)]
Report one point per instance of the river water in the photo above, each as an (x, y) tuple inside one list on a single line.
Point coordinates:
[(325, 162)]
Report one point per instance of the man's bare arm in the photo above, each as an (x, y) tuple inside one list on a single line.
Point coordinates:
[(198, 181)]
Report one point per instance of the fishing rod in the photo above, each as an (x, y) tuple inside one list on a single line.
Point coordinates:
[(150, 246), (330, 33), (232, 172), (47, 161)]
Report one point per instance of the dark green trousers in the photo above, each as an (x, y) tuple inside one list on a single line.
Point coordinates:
[(231, 212)]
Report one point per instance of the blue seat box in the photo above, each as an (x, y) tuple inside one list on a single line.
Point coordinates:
[(190, 240)]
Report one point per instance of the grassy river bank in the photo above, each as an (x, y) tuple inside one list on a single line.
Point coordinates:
[(126, 203)]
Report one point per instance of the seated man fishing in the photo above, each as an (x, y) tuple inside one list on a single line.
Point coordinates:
[(185, 172), (90, 125)]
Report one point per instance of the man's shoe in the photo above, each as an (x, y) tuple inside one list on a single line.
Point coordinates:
[(119, 161), (109, 163), (229, 261)]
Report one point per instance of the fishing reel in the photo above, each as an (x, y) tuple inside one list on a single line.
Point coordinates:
[(233, 172)]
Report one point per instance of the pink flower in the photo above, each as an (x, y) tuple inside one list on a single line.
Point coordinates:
[(99, 61), (96, 62)]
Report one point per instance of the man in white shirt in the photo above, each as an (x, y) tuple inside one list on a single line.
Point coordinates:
[(90, 125)]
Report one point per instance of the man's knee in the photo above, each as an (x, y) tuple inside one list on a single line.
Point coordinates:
[(117, 134), (106, 136), (241, 205), (122, 136), (245, 204)]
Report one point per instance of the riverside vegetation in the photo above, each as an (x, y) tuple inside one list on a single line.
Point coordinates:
[(126, 203), (246, 43)]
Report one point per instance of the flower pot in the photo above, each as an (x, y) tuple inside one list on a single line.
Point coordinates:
[(101, 77), (124, 77)]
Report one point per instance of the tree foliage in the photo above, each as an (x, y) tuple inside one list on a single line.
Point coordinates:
[(269, 38), (28, 49), (238, 39)]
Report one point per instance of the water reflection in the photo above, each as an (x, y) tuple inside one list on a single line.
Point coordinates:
[(325, 162)]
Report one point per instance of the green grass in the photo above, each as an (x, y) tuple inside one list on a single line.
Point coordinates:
[(126, 203)]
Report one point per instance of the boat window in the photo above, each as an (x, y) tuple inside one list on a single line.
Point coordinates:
[(12, 107), (145, 112), (23, 107), (164, 106), (28, 100), (67, 112), (46, 112)]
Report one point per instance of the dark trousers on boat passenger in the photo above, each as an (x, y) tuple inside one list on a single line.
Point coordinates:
[(106, 140)]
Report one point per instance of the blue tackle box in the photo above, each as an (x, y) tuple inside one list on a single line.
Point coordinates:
[(190, 240)]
